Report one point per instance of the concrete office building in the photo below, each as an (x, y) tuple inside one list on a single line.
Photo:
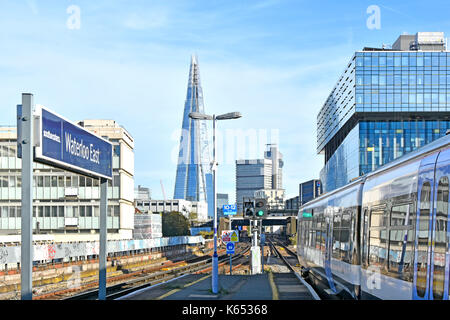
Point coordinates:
[(274, 197), (143, 194), (259, 174), (386, 103), (147, 226), (198, 209), (67, 205)]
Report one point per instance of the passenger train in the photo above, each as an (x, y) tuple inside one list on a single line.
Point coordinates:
[(384, 235)]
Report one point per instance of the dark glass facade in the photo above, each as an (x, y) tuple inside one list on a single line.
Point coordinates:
[(309, 190), (385, 104)]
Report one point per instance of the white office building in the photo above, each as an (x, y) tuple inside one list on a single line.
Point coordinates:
[(198, 210), (67, 205)]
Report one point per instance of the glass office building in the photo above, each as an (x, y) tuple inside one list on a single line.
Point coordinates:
[(387, 102), (193, 180)]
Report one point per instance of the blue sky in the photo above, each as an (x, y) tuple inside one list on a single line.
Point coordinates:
[(275, 61)]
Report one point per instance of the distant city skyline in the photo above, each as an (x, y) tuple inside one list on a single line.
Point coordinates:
[(274, 61)]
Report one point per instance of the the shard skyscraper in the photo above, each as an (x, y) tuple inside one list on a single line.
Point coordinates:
[(194, 178)]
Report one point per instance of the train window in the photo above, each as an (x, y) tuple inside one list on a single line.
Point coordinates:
[(345, 237), (336, 235), (377, 237), (365, 251), (400, 215), (400, 242), (422, 239), (318, 232), (440, 234), (378, 217), (323, 232), (312, 234)]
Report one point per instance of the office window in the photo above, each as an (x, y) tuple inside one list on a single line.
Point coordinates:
[(82, 181), (116, 180), (60, 181), (116, 150), (12, 181), (68, 181), (46, 181), (12, 212), (54, 210), (4, 181), (75, 181), (82, 211)]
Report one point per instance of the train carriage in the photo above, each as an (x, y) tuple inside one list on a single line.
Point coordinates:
[(383, 236)]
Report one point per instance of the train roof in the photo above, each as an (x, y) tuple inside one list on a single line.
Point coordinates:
[(330, 193), (428, 148)]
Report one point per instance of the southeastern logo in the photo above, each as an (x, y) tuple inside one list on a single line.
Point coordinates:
[(51, 136)]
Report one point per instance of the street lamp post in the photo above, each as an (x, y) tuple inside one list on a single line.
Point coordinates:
[(214, 118)]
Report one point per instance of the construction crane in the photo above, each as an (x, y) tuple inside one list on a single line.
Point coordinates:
[(162, 188)]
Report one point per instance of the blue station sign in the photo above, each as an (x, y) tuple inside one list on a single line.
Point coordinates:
[(71, 147), (229, 209), (230, 247)]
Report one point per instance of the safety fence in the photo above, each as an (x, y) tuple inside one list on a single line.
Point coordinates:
[(66, 250)]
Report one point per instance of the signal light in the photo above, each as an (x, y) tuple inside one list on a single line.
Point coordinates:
[(249, 208), (261, 208)]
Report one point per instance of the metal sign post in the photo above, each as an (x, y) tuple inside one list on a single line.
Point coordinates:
[(25, 140), (103, 239), (230, 251), (55, 141), (262, 242)]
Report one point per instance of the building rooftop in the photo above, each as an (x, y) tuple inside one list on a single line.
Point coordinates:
[(421, 41)]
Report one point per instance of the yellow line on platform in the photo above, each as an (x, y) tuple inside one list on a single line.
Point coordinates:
[(273, 286), (179, 289)]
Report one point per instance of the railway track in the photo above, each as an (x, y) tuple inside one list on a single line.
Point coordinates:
[(289, 258), (118, 290)]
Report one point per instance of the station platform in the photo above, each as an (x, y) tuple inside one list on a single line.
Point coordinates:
[(276, 284)]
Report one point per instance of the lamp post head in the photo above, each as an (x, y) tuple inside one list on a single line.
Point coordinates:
[(229, 116), (200, 116)]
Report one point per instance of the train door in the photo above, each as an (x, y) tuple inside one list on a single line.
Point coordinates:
[(329, 212), (439, 276), (424, 244)]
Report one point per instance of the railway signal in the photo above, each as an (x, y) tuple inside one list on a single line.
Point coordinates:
[(260, 208), (249, 208)]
